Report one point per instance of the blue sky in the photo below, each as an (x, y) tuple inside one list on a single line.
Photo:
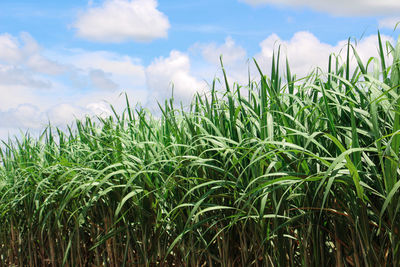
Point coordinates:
[(64, 59)]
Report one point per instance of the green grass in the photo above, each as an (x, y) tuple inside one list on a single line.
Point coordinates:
[(296, 172)]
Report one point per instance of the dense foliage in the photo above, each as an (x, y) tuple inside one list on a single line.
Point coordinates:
[(280, 172)]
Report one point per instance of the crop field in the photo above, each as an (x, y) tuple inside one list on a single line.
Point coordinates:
[(282, 171)]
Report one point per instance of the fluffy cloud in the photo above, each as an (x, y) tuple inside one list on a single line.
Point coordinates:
[(122, 20), (339, 7), (36, 88), (305, 51), (25, 51), (100, 80), (230, 51), (9, 49), (12, 75), (64, 113), (389, 22), (173, 71), (31, 117), (24, 115), (234, 58), (125, 71)]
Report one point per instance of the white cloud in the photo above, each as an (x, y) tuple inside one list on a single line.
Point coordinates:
[(9, 49), (234, 58), (230, 51), (22, 63), (24, 116), (163, 73), (107, 61), (338, 7), (40, 64), (122, 20), (29, 54), (303, 50), (112, 73), (125, 71), (33, 90), (14, 95), (389, 22), (65, 113), (306, 52), (101, 80), (100, 109), (11, 75)]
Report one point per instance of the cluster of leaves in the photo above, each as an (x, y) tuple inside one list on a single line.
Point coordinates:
[(283, 172)]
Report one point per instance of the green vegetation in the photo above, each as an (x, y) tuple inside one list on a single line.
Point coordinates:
[(291, 173)]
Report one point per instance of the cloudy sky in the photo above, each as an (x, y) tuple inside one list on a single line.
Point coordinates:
[(63, 59)]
